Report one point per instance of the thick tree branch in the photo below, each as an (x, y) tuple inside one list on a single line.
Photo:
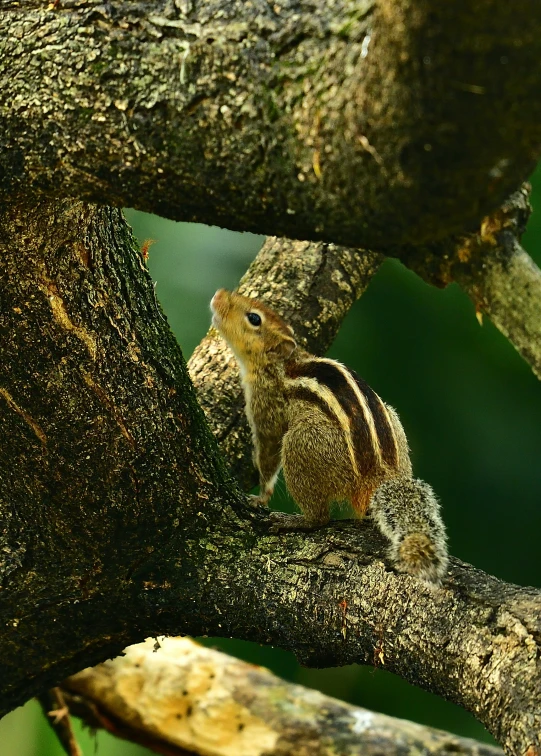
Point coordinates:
[(118, 520), (333, 599), (372, 123), (182, 697)]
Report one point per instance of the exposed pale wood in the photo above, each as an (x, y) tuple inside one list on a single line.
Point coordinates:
[(177, 697)]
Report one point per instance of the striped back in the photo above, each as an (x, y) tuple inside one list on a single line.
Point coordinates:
[(348, 400)]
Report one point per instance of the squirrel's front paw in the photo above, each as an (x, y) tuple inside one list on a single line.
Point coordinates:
[(256, 501), (420, 556)]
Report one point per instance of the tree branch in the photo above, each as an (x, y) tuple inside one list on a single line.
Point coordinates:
[(182, 697), (109, 452), (499, 276), (313, 285), (263, 117), (505, 283), (118, 520)]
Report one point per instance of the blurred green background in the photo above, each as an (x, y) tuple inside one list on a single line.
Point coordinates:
[(472, 411)]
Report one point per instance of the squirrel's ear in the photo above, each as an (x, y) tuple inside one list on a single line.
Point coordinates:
[(286, 347)]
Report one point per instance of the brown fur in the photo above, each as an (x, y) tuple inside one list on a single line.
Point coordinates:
[(334, 437)]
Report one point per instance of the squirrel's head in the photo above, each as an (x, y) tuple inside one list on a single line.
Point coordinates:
[(255, 333)]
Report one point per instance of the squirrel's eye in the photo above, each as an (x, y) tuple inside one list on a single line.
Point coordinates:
[(254, 319)]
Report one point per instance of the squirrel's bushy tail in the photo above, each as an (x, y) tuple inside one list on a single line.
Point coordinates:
[(408, 513)]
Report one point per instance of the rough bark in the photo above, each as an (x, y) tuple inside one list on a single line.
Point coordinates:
[(108, 449), (372, 123), (178, 698), (119, 521), (384, 124)]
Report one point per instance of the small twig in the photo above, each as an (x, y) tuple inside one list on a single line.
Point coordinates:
[(58, 715)]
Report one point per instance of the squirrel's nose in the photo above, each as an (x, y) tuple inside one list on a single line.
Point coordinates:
[(221, 296)]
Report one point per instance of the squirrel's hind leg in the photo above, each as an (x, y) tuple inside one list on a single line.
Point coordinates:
[(407, 512), (314, 460), (312, 501)]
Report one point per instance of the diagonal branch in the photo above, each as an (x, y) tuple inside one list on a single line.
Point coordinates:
[(175, 696), (509, 290), (503, 280), (313, 285)]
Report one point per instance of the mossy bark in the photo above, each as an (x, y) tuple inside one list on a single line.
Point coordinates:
[(107, 452), (369, 123)]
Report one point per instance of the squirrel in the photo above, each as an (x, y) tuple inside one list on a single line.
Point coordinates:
[(332, 435)]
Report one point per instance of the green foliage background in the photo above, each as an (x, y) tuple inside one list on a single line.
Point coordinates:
[(472, 411)]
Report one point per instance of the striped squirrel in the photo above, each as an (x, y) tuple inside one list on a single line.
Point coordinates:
[(333, 436)]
